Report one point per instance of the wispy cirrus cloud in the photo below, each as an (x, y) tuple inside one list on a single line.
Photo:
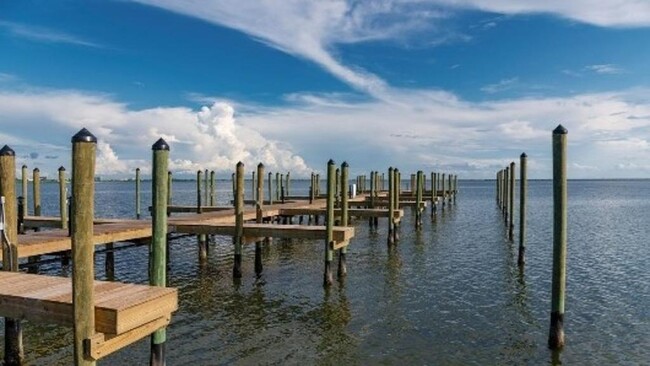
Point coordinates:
[(500, 86), (605, 69), (45, 35)]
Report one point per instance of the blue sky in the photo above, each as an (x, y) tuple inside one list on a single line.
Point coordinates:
[(462, 86)]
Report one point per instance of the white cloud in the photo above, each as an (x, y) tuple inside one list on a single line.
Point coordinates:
[(605, 69), (502, 85), (45, 35), (208, 139)]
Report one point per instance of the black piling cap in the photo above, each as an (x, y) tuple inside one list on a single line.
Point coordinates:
[(37, 170), (523, 155), (24, 166), (61, 169), (560, 130), (345, 164), (84, 136), (260, 165), (161, 144), (240, 164), (7, 151), (331, 162), (137, 169)]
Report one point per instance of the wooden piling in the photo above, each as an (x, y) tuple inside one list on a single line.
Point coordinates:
[(413, 184), (343, 269), (329, 224), (277, 186), (511, 200), (433, 194), (444, 192), (397, 177), (212, 186), (288, 183), (158, 248), (253, 187), (496, 190), (84, 146), (258, 216), (556, 334), (523, 187), (205, 188), (270, 188), (137, 193), (63, 207), (14, 354), (418, 199), (239, 219), (199, 209), (391, 205), (312, 188), (506, 196), (24, 189), (37, 191), (372, 196), (169, 188)]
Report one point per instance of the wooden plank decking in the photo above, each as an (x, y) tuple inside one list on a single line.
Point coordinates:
[(119, 307)]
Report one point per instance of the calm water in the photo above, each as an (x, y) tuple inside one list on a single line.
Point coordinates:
[(448, 295)]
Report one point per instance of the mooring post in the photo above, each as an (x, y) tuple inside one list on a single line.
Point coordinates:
[(511, 225), (169, 189), (212, 203), (199, 209), (234, 185), (556, 334), (506, 182), (282, 188), (449, 187), (239, 219), (137, 193), (24, 189), (343, 184), (259, 217), (277, 186), (63, 207), (158, 249), (337, 189), (36, 185), (391, 205), (329, 225), (312, 188), (455, 187), (270, 188), (496, 190), (14, 354), (253, 187), (376, 188), (418, 199), (397, 177), (84, 146), (523, 187), (372, 196), (444, 195), (288, 183), (433, 194), (205, 188)]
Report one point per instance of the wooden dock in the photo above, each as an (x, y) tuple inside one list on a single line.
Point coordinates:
[(124, 313)]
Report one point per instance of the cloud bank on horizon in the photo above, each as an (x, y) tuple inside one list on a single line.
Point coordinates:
[(408, 127)]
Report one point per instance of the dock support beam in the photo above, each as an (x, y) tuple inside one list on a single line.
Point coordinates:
[(158, 251), (14, 354), (343, 268), (511, 200), (523, 188), (556, 333), (259, 218), (239, 219), (329, 224), (137, 193), (84, 146)]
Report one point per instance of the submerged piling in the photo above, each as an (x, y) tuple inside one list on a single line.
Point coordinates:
[(418, 200), (14, 354), (556, 333), (523, 187), (84, 146), (239, 219), (158, 250), (329, 225)]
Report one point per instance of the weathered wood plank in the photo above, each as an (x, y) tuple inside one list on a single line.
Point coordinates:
[(341, 234)]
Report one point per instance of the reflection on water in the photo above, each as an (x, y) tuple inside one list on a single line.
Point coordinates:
[(451, 293)]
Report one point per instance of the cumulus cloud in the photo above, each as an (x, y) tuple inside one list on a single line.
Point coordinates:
[(209, 138)]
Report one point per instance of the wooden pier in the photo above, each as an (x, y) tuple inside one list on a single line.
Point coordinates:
[(116, 314)]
